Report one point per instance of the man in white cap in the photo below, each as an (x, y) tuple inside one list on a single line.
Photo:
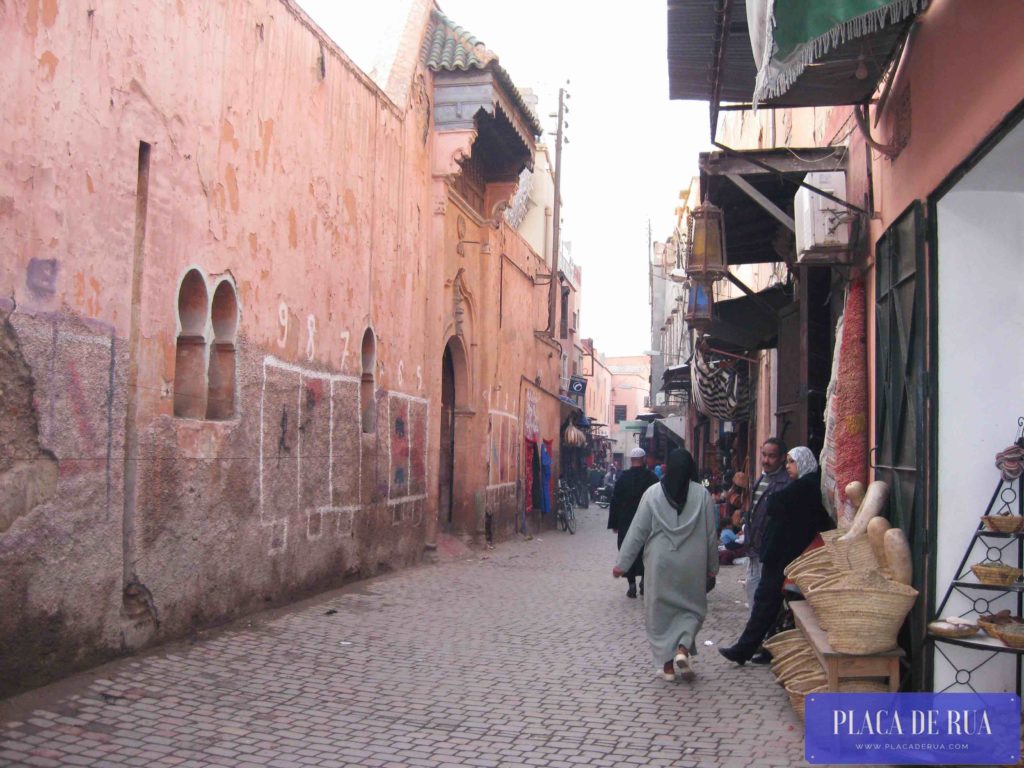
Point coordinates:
[(629, 488)]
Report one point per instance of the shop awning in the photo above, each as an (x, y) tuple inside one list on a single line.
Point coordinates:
[(757, 203), (674, 428), (676, 378), (819, 54), (749, 322)]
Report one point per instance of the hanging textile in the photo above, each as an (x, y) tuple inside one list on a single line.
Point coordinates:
[(844, 457), (529, 472), (545, 474), (720, 388)]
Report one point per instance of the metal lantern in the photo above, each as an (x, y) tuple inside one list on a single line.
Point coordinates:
[(698, 305), (705, 247)]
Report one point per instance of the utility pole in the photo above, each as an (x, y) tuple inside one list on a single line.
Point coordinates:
[(556, 227)]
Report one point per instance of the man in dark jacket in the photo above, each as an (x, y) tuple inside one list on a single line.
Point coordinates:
[(795, 515), (629, 488)]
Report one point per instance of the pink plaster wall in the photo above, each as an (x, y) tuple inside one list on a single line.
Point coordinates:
[(963, 73), (325, 204)]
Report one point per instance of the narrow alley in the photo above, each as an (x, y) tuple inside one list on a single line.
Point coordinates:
[(525, 655)]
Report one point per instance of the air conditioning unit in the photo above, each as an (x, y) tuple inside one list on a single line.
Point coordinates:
[(822, 225)]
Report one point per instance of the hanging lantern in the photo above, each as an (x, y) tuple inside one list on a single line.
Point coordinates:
[(705, 247), (698, 305), (574, 437)]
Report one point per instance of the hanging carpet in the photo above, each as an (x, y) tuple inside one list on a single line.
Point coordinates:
[(720, 388)]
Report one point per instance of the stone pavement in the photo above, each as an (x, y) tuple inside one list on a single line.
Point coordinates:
[(527, 655)]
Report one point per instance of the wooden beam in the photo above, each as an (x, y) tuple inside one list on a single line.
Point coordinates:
[(761, 200)]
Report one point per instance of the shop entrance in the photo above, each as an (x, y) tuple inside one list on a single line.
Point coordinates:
[(453, 387)]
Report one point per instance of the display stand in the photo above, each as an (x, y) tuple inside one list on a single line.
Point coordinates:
[(999, 548)]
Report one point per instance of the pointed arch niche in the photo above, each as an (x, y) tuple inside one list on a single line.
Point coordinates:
[(220, 398), (190, 349), (368, 382)]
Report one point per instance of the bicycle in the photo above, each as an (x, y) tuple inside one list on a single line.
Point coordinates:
[(565, 515)]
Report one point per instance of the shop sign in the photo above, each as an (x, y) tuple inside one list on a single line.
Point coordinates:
[(912, 728)]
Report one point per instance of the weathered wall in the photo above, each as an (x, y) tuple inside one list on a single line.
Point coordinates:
[(491, 301), (275, 165)]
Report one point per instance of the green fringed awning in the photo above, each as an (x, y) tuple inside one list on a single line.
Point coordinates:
[(788, 35), (762, 50)]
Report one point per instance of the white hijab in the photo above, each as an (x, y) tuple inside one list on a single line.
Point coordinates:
[(804, 460)]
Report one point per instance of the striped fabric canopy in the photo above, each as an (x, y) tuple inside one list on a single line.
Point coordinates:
[(720, 389)]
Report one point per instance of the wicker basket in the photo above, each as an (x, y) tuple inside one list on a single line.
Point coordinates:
[(996, 574), (782, 639), (864, 614), (853, 554), (1003, 523), (832, 535), (991, 623), (946, 629), (808, 579), (800, 686), (816, 558), (821, 592), (795, 665), (784, 649), (1012, 635)]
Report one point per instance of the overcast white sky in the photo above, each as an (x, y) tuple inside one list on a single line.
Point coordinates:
[(630, 150)]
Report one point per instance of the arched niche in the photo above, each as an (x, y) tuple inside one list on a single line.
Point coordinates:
[(220, 402), (368, 382), (190, 389)]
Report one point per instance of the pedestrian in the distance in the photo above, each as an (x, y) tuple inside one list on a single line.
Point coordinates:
[(629, 489), (676, 527)]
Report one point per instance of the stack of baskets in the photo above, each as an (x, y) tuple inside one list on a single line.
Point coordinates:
[(859, 583), (858, 586)]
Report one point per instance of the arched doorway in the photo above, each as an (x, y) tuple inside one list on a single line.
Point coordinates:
[(446, 470), (453, 388)]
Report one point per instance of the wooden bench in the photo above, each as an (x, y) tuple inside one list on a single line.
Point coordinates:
[(844, 666)]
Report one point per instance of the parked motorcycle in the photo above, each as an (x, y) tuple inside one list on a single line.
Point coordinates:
[(603, 497)]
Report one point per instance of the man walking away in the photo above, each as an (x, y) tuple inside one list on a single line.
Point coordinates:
[(629, 489)]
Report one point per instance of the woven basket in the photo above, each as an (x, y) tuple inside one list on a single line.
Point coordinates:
[(795, 665), (992, 627), (785, 648), (832, 535), (946, 629), (811, 578), (853, 554), (782, 639), (800, 686), (816, 558), (1012, 635), (863, 615), (821, 593), (996, 574), (1003, 523)]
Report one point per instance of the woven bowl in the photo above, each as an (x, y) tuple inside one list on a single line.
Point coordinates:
[(996, 574), (991, 623), (946, 629), (1012, 635), (1003, 523)]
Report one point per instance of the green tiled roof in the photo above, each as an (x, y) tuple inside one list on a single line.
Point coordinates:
[(449, 47)]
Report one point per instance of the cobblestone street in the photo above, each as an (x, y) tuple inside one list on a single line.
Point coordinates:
[(526, 655)]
